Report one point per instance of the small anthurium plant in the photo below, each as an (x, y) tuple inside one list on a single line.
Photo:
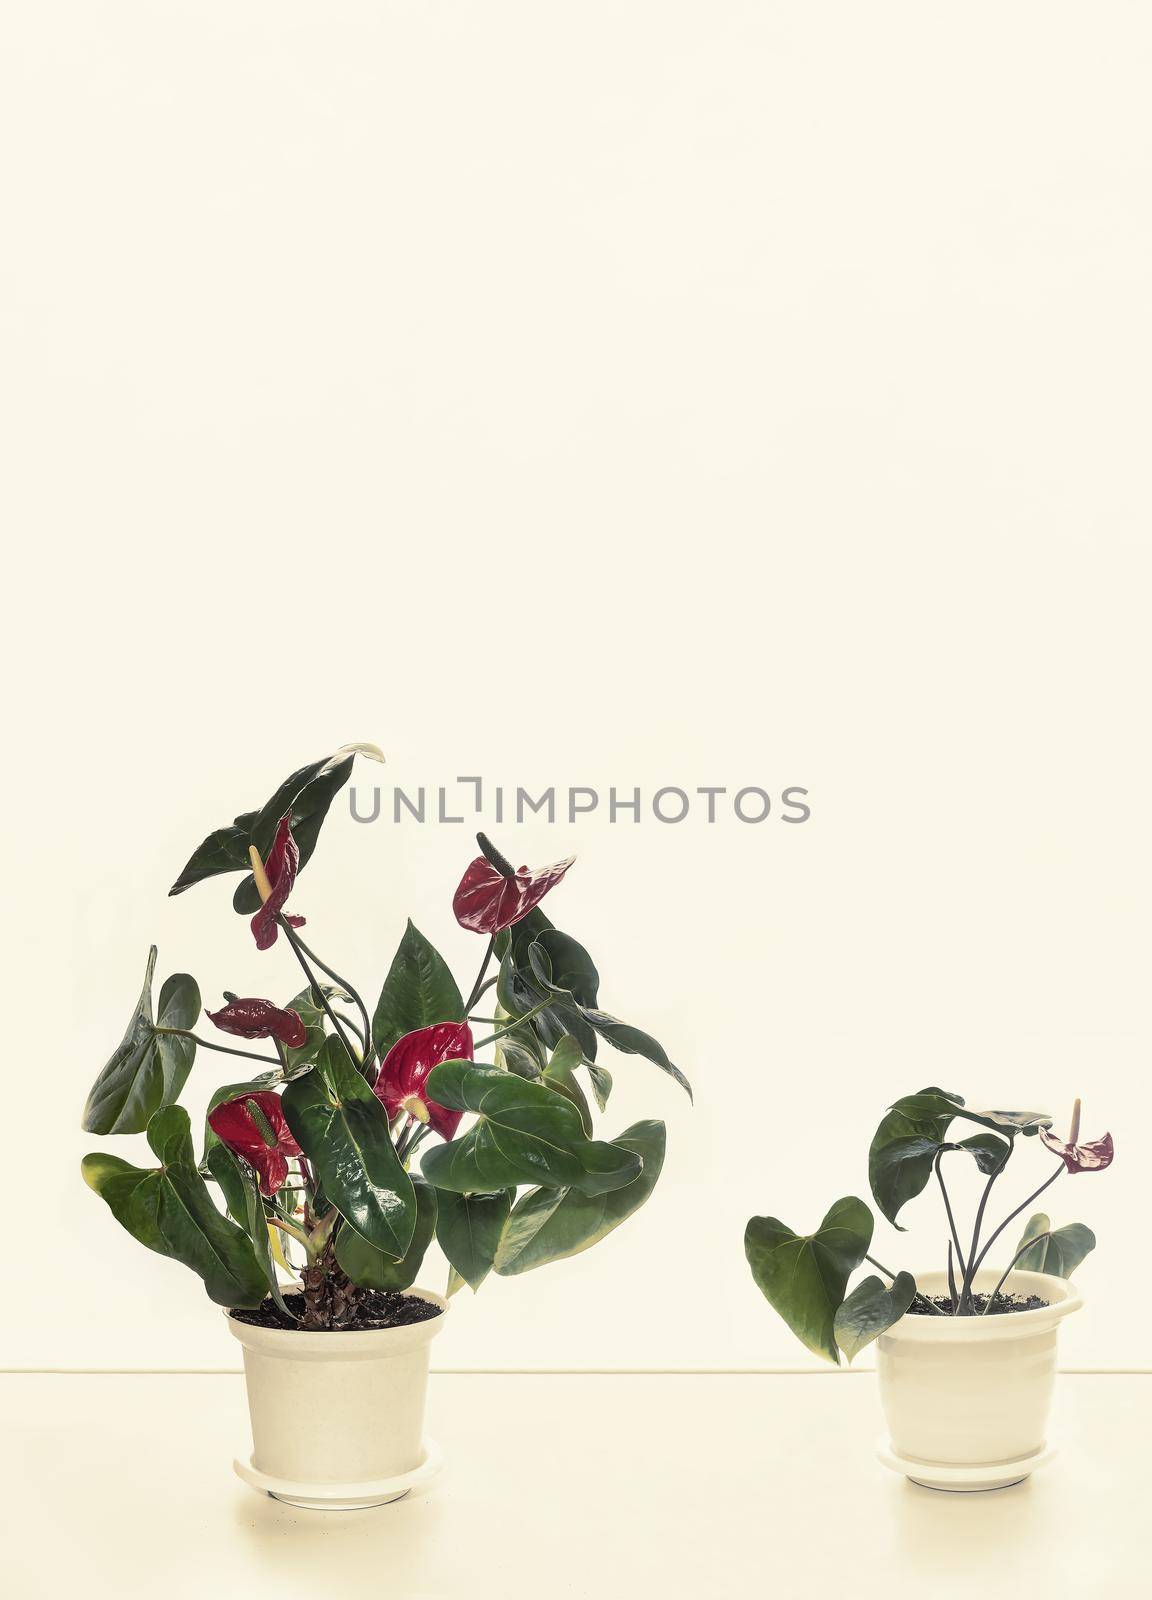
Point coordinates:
[(304, 1191), (805, 1277)]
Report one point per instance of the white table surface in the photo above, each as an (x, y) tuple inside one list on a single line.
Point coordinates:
[(657, 1486)]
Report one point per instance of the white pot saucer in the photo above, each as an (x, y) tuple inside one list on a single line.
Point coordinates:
[(969, 1479), (342, 1496)]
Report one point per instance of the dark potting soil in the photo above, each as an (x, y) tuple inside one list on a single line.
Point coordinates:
[(379, 1308), (1000, 1307)]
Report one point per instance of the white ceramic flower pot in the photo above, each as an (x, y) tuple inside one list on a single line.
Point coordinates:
[(966, 1399), (338, 1418)]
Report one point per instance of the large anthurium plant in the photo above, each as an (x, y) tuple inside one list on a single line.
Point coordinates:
[(805, 1277), (304, 1187)]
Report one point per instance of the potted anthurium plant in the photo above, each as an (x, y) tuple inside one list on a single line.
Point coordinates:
[(303, 1209), (966, 1355)]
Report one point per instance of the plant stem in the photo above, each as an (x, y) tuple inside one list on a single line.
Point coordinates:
[(290, 1228), (1024, 1248), (1035, 1195), (514, 1022), (366, 1032), (318, 992), (225, 1049), (952, 1276), (356, 1028), (966, 1286), (411, 1139), (479, 986), (948, 1209)]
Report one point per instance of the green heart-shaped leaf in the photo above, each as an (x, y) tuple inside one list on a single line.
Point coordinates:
[(468, 1228), (343, 1130), (988, 1149), (870, 1309), (904, 1147), (908, 1140), (418, 991), (147, 1069), (551, 1224), (804, 1276), (169, 1210), (371, 1268), (1061, 1252), (525, 1133)]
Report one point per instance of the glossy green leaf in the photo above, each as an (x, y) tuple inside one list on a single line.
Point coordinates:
[(418, 991), (551, 1224), (525, 1134), (601, 1081), (246, 1207), (519, 992), (620, 1035), (228, 1175), (1061, 1252), (939, 1102), (170, 1136), (309, 809), (907, 1141), (307, 793), (904, 1147), (988, 1149), (468, 1228), (343, 1130), (147, 1069), (804, 1276), (570, 967), (870, 1309), (560, 1076), (312, 1016), (169, 1210), (519, 1051), (632, 1041), (370, 1267)]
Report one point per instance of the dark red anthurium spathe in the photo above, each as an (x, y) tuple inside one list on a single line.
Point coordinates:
[(234, 1124), (1092, 1156), (488, 900), (400, 1086), (260, 1019), (274, 879)]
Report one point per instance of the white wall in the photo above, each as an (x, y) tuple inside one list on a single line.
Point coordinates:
[(618, 393)]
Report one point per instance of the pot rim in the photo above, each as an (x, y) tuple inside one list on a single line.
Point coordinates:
[(1062, 1295), (337, 1343)]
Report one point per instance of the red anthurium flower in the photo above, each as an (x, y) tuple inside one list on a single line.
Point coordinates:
[(487, 901), (1093, 1156), (274, 879), (261, 1136), (260, 1019), (400, 1086)]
